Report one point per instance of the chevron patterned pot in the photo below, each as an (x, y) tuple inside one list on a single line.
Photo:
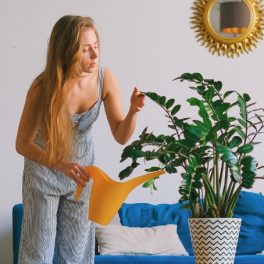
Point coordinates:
[(214, 239)]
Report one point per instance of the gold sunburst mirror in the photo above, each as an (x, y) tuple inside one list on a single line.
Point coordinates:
[(228, 27)]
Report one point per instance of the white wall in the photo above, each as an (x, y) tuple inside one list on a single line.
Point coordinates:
[(145, 42)]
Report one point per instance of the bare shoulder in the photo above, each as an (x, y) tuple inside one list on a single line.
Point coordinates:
[(34, 91), (110, 82), (109, 75)]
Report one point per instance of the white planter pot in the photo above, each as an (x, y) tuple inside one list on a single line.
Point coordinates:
[(214, 239)]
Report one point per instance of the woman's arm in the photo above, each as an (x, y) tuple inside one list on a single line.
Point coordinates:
[(122, 126), (28, 127), (27, 130)]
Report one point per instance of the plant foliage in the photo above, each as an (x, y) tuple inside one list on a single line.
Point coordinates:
[(213, 152)]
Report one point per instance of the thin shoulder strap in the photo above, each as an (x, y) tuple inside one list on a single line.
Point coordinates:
[(101, 81)]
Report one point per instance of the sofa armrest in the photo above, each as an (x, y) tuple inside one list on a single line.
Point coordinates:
[(17, 216)]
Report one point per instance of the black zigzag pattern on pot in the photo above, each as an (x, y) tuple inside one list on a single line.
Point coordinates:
[(214, 240)]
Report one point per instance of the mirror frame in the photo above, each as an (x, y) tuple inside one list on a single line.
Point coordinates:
[(217, 44)]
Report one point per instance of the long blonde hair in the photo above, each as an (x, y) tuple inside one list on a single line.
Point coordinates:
[(63, 65)]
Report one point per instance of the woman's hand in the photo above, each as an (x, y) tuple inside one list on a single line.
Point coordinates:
[(137, 101), (76, 172)]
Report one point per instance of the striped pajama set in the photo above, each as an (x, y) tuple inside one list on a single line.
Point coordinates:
[(52, 220)]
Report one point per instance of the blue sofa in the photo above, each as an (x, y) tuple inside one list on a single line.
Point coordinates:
[(250, 208)]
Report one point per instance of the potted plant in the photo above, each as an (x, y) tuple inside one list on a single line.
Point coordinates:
[(213, 155)]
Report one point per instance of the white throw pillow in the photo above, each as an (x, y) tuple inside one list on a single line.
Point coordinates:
[(122, 240)]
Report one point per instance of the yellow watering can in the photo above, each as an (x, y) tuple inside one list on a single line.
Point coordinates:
[(108, 195)]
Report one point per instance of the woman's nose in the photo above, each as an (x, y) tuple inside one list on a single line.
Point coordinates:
[(94, 53)]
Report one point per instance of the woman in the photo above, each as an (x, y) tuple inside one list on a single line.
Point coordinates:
[(54, 136)]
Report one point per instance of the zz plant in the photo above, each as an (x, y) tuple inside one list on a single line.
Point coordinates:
[(212, 152)]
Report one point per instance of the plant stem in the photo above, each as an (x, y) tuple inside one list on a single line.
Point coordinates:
[(226, 179), (221, 174), (211, 196), (226, 196), (216, 173), (233, 201)]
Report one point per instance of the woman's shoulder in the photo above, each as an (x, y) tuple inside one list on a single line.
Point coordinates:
[(109, 76), (34, 90), (110, 82)]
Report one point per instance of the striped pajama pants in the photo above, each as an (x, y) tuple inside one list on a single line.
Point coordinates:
[(55, 223)]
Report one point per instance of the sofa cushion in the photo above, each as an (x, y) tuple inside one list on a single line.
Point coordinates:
[(147, 215), (250, 207), (123, 240)]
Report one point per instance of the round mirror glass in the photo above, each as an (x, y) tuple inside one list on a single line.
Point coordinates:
[(230, 18)]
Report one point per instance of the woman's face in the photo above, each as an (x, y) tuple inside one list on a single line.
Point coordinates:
[(90, 56)]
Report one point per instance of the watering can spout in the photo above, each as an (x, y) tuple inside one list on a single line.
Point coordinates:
[(108, 195)]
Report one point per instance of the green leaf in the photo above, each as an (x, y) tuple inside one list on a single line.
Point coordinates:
[(144, 131), (218, 85), (192, 161), (170, 169), (183, 143), (193, 195), (240, 132), (169, 103), (245, 148), (150, 155), (209, 94), (222, 149), (177, 162), (126, 172), (160, 138), (246, 97), (197, 185), (197, 76), (200, 89), (152, 96), (136, 153), (249, 168), (162, 100), (202, 125), (230, 158), (204, 115), (217, 102), (194, 130), (222, 124), (153, 169), (148, 183), (236, 141), (165, 158), (175, 109), (236, 176), (231, 119), (248, 179), (228, 93), (249, 163), (222, 108), (209, 81), (185, 76), (194, 101), (134, 164), (242, 107)]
